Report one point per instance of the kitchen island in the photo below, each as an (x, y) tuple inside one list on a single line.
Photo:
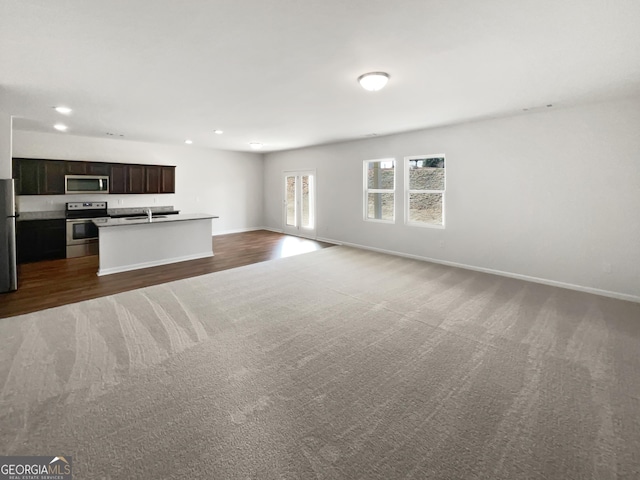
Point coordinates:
[(142, 242)]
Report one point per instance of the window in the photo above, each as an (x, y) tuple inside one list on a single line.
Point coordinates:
[(424, 187), (379, 189)]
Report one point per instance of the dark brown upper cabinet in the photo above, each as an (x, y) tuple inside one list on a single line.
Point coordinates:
[(46, 177), (118, 178), (136, 180), (167, 179), (76, 168), (152, 179), (52, 177), (98, 168), (39, 177), (88, 168), (26, 172)]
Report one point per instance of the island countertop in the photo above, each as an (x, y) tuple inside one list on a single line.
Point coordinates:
[(159, 218)]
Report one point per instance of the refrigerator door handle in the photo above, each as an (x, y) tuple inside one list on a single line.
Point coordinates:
[(13, 267)]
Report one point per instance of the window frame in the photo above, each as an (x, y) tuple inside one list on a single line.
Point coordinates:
[(368, 190), (408, 191)]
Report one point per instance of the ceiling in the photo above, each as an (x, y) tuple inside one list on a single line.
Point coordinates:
[(283, 72)]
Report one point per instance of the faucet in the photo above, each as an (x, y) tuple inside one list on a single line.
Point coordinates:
[(149, 214)]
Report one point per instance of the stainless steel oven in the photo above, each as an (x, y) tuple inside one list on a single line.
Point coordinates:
[(82, 234)]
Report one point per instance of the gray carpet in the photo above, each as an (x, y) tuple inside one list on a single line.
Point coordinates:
[(337, 364)]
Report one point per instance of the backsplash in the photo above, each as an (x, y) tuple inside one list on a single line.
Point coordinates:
[(48, 203)]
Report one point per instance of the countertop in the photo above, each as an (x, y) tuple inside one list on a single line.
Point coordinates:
[(116, 212), (120, 222)]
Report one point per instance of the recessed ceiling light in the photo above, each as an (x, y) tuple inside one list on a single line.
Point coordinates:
[(373, 81), (63, 110), (218, 132), (60, 127), (255, 145), (188, 142)]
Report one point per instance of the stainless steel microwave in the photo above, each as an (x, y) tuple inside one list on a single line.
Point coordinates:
[(86, 184)]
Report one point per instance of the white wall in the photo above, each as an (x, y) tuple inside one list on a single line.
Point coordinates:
[(5, 145), (553, 195), (227, 184)]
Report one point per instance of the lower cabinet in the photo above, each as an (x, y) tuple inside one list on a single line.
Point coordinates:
[(41, 240)]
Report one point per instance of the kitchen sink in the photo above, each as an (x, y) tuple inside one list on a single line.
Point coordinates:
[(145, 217)]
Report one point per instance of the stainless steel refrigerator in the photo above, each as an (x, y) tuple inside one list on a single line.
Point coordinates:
[(8, 268)]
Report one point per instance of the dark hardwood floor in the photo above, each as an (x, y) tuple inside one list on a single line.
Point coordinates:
[(59, 282)]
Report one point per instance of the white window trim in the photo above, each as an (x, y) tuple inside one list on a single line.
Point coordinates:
[(408, 191), (367, 190)]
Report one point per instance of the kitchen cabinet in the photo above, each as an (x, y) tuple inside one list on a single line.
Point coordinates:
[(87, 168), (98, 168), (118, 178), (76, 168), (167, 179), (127, 178), (160, 179), (152, 179), (52, 177), (41, 240), (39, 177), (26, 173), (47, 177), (136, 180)]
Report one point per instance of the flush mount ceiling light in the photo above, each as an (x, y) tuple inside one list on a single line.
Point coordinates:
[(373, 81), (218, 132), (188, 141), (255, 145), (63, 110), (60, 127)]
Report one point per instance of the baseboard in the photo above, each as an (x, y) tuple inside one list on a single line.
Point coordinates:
[(544, 281), (320, 239), (330, 240), (156, 263), (239, 230)]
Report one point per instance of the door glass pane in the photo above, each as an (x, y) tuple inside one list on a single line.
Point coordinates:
[(307, 195), (291, 201), (84, 230)]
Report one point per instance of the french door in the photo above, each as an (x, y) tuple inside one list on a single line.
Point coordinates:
[(300, 203)]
